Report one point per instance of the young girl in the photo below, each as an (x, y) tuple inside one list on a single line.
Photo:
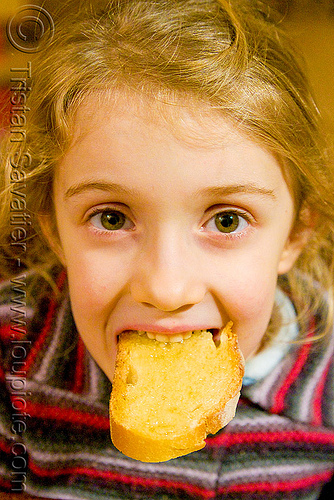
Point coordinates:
[(172, 178)]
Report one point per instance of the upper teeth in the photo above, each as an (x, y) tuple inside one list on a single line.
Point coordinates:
[(171, 337)]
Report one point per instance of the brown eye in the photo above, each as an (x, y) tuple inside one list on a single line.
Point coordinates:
[(112, 221), (227, 222)]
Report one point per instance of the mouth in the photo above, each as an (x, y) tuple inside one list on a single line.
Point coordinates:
[(179, 336)]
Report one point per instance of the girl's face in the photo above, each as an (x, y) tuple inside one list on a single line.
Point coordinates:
[(168, 229)]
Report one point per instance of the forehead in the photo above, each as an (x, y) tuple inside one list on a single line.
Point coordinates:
[(185, 117), (132, 136)]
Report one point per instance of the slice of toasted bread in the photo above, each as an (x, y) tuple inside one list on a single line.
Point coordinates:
[(167, 397)]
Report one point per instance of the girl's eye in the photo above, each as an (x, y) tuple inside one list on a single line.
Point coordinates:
[(111, 220), (227, 222)]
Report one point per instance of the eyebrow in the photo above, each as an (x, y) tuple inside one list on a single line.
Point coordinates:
[(248, 188), (85, 186)]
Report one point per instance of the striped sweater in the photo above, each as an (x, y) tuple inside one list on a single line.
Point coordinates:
[(54, 426)]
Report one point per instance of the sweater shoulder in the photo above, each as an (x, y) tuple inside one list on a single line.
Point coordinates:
[(26, 303)]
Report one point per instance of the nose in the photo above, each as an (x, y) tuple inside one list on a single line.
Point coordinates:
[(167, 275)]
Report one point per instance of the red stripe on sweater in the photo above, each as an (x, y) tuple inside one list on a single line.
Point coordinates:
[(48, 321), (6, 485), (279, 486), (5, 447), (30, 360), (67, 415), (279, 401), (2, 374), (285, 437), (6, 332), (318, 398), (79, 375), (152, 483)]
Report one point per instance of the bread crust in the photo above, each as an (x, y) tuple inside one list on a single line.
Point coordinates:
[(146, 449), (166, 443)]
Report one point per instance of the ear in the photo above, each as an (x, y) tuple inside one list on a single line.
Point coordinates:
[(298, 238), (50, 232)]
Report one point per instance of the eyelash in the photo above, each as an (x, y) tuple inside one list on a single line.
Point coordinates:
[(101, 212), (226, 212), (229, 212)]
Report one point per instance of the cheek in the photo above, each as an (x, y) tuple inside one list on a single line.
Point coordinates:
[(94, 291), (252, 311), (96, 279), (247, 297), (251, 299), (248, 283)]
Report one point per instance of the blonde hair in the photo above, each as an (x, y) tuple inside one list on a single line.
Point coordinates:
[(227, 54)]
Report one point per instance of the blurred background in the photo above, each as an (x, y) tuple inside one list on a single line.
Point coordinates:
[(309, 22)]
